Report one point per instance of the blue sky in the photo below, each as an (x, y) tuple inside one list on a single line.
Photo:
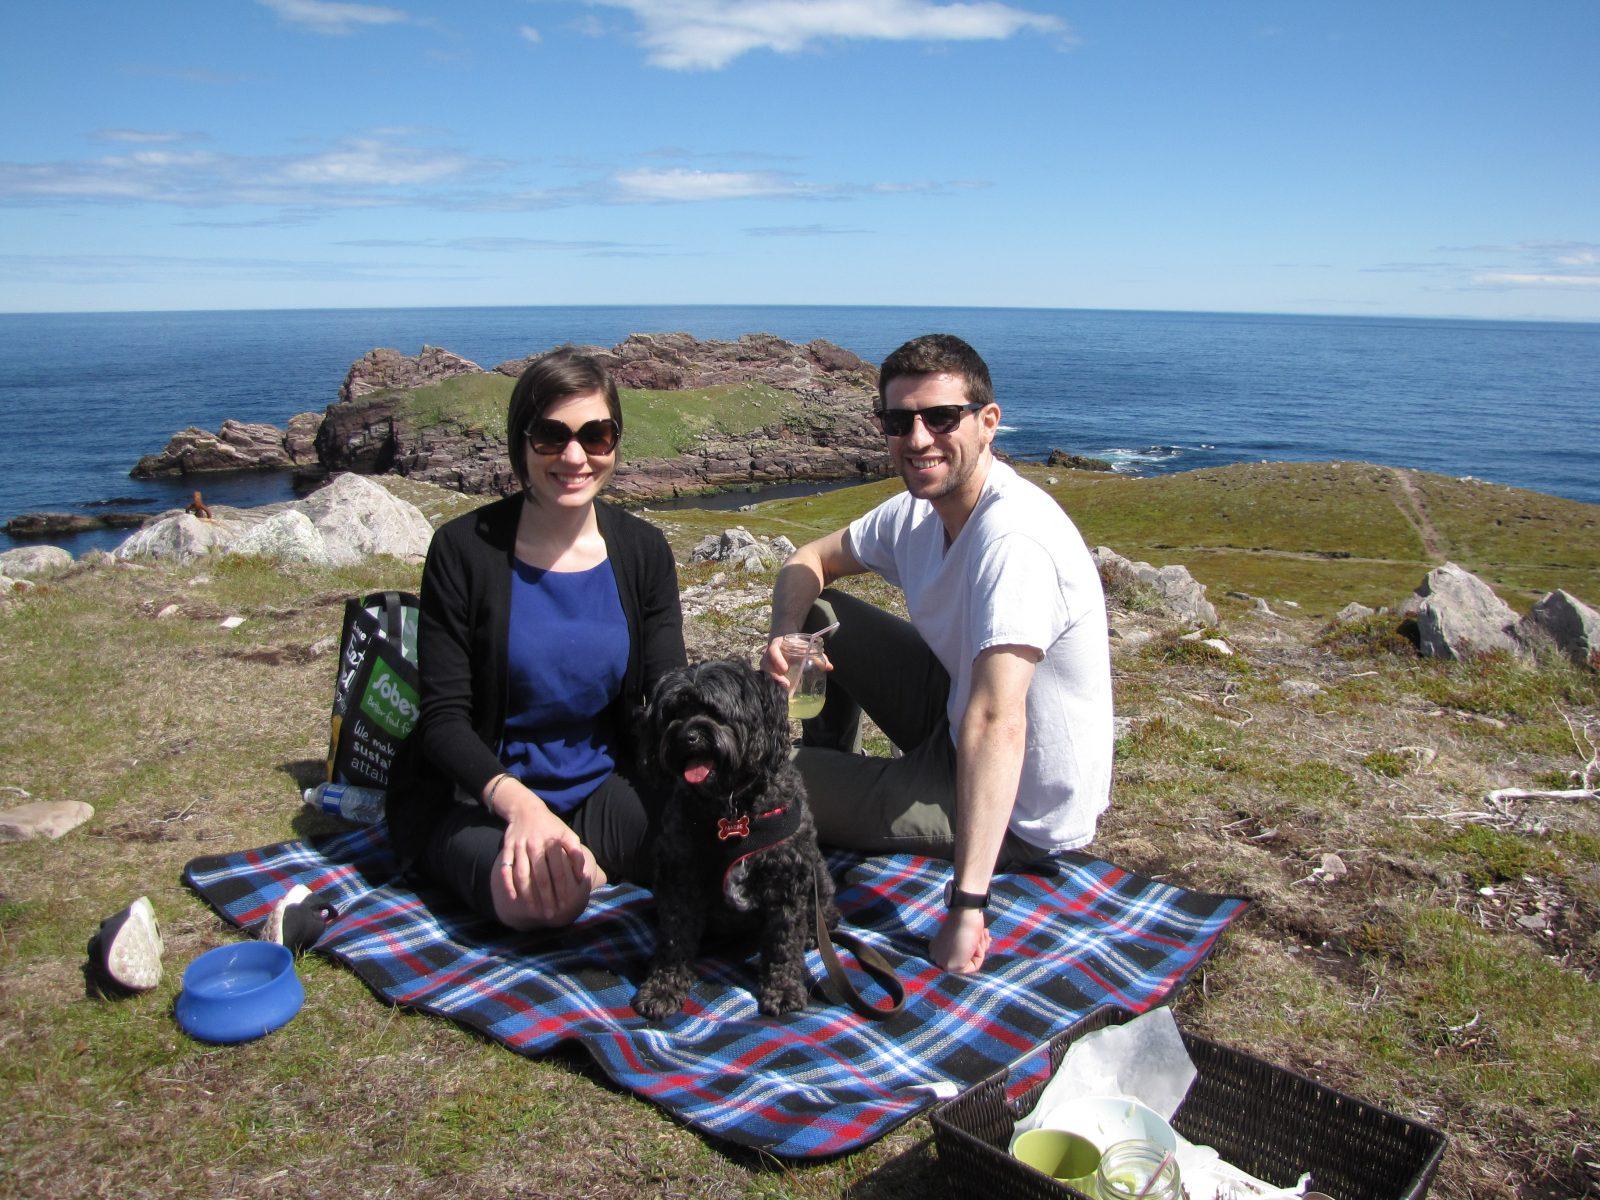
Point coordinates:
[(1430, 159)]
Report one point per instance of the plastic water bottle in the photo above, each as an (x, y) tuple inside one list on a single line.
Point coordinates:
[(362, 805)]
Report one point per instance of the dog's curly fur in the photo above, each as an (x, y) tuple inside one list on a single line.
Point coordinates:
[(719, 732)]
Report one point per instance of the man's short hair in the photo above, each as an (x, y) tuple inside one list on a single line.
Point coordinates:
[(551, 378), (938, 354)]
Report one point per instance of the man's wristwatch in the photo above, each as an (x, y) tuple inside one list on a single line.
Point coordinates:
[(954, 897)]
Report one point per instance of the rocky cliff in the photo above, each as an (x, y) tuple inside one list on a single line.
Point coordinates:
[(813, 425)]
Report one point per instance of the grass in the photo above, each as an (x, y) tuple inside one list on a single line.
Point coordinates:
[(1452, 973), (657, 424), (663, 424)]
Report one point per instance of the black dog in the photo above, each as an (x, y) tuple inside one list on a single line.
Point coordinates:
[(737, 852)]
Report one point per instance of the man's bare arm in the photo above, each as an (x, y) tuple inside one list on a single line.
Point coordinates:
[(989, 749), (809, 569)]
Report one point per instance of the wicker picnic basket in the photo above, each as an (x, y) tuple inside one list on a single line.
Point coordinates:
[(1271, 1122)]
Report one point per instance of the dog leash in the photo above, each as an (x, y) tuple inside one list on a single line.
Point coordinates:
[(874, 964)]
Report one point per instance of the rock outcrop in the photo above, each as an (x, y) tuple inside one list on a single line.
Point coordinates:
[(1177, 591), (340, 524), (237, 446), (64, 524), (738, 547), (385, 370), (823, 432), (827, 435), (1456, 615), (1077, 462)]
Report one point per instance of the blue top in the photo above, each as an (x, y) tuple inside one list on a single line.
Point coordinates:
[(567, 652)]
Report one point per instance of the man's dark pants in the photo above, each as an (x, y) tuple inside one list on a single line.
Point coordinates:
[(905, 804)]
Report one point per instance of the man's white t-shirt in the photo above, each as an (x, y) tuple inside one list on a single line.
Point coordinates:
[(1018, 574)]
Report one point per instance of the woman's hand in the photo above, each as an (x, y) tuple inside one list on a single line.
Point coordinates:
[(545, 872)]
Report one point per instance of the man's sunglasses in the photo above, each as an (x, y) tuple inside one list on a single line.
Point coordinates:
[(550, 437), (941, 418)]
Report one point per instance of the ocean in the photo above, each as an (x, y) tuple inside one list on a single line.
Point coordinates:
[(85, 395)]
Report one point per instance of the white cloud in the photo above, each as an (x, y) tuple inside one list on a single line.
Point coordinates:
[(143, 137), (324, 16), (529, 34), (801, 231), (367, 162), (1504, 279), (1564, 266), (372, 171), (678, 184), (691, 35), (359, 172)]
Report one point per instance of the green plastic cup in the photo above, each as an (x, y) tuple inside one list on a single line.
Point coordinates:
[(1069, 1157)]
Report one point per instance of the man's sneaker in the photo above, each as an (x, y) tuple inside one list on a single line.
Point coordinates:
[(298, 919), (125, 955)]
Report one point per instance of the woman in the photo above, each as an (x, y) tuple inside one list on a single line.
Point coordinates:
[(546, 618)]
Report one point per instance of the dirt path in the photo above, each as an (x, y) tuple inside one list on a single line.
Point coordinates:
[(1415, 511)]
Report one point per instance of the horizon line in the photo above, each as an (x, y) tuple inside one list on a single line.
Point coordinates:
[(1207, 312)]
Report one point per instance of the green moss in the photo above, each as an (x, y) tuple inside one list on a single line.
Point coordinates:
[(466, 403), (1490, 856), (1500, 686), (1387, 763), (662, 424), (1367, 637)]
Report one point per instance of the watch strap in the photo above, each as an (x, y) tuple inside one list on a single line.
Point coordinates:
[(954, 897)]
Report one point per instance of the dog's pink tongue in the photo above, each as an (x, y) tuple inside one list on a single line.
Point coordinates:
[(697, 772)]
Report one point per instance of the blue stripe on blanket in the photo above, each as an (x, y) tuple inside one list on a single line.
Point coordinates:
[(815, 1083)]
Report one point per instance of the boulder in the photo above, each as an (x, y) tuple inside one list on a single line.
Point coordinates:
[(34, 562), (1571, 624), (237, 446), (1457, 615), (288, 536), (43, 819), (179, 537), (357, 517), (1353, 612), (1180, 593)]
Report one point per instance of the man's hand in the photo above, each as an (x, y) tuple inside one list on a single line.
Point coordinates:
[(778, 664), (800, 581), (774, 662), (961, 943)]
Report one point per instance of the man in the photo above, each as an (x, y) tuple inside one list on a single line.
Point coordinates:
[(998, 690)]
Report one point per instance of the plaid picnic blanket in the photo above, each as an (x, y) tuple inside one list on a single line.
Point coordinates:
[(816, 1083)]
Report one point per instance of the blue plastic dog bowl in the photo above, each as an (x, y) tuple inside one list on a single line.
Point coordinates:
[(237, 993)]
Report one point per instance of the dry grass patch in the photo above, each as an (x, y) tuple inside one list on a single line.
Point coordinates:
[(1408, 942)]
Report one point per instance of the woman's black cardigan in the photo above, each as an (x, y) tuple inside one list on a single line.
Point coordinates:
[(462, 638)]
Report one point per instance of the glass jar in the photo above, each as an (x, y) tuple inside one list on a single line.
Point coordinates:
[(808, 682), (1129, 1170)]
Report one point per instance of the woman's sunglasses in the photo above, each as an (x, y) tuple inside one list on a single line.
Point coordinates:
[(941, 418), (550, 437)]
